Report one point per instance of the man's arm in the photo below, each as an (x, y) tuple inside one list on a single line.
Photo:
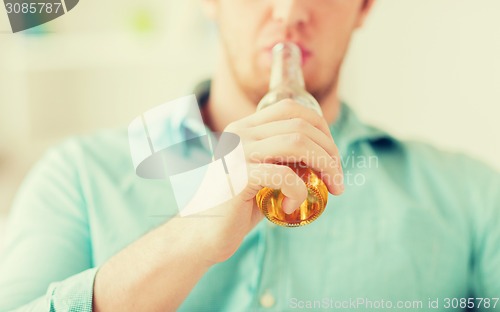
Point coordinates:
[(47, 239), (157, 272)]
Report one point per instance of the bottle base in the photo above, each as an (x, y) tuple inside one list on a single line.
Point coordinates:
[(270, 202)]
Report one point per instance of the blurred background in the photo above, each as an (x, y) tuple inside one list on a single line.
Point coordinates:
[(422, 69)]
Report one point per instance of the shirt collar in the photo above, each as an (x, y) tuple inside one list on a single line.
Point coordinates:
[(347, 129)]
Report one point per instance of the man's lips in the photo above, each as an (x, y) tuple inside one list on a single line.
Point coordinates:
[(305, 53)]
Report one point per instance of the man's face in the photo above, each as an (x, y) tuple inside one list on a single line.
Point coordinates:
[(250, 28)]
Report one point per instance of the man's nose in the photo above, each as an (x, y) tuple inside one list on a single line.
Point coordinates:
[(290, 13)]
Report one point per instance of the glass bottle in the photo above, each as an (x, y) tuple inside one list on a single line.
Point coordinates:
[(287, 82)]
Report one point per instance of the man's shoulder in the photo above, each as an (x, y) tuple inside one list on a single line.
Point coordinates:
[(439, 164), (446, 158), (105, 151)]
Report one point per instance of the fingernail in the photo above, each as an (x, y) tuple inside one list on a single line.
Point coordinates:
[(342, 188), (289, 205)]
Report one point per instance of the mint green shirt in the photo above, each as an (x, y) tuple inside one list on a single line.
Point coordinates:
[(415, 224)]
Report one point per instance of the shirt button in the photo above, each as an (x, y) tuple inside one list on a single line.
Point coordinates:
[(267, 300)]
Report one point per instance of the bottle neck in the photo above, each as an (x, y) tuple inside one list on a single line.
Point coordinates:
[(286, 69)]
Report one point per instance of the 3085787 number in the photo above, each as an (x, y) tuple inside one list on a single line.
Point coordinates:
[(484, 303), (33, 8)]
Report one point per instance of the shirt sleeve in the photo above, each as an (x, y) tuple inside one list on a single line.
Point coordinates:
[(46, 264), (485, 260), (73, 294)]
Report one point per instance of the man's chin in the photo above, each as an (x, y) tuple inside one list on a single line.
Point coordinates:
[(254, 92)]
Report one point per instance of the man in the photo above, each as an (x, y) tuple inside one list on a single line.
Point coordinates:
[(420, 229)]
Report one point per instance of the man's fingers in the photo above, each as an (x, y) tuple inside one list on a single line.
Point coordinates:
[(283, 110), (276, 177), (290, 126), (296, 148), (290, 205)]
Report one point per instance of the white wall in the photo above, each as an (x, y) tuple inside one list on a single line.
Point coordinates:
[(93, 70), (430, 70)]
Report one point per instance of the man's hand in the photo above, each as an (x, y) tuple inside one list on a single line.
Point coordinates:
[(282, 133), (158, 271)]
